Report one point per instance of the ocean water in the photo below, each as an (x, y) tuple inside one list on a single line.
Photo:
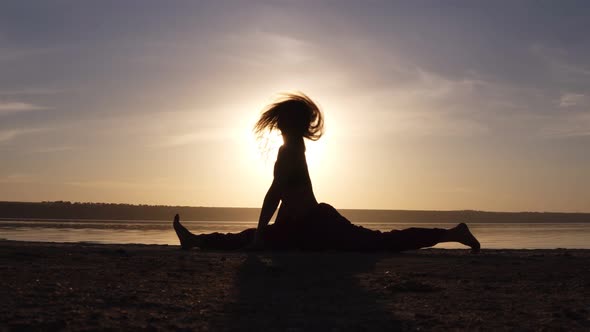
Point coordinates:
[(491, 235)]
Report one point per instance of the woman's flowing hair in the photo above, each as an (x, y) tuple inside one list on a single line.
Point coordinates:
[(293, 114)]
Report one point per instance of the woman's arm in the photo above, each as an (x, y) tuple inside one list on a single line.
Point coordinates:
[(269, 206)]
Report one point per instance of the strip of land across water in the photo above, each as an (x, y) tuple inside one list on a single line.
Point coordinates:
[(91, 287), (107, 211)]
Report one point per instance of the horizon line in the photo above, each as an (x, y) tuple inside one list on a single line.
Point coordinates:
[(244, 207)]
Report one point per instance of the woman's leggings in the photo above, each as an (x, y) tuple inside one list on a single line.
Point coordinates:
[(326, 229)]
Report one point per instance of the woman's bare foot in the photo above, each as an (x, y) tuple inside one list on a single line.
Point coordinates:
[(463, 235), (187, 239)]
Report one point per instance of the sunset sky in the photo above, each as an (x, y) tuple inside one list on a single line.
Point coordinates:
[(428, 105)]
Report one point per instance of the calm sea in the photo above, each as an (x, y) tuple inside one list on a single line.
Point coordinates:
[(491, 235)]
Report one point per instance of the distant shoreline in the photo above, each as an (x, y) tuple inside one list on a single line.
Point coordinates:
[(81, 221), (47, 211)]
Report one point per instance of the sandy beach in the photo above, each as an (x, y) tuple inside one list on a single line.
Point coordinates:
[(89, 287)]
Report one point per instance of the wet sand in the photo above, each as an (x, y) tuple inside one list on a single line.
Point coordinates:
[(88, 287)]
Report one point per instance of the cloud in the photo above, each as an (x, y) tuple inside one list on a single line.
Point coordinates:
[(52, 149), (415, 97), (262, 49), (31, 91), (18, 178), (7, 135), (568, 125), (14, 53), (573, 100), (421, 123), (190, 138), (10, 134), (556, 58), (7, 107)]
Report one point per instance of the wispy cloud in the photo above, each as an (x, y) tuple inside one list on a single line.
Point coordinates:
[(556, 58), (191, 138), (52, 149), (573, 100), (7, 107), (18, 178), (31, 91), (7, 135), (569, 125), (10, 134), (259, 48), (19, 53)]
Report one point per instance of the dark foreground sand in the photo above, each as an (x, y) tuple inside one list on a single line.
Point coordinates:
[(140, 287)]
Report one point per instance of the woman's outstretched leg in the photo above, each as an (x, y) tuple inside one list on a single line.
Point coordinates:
[(187, 239), (229, 241), (463, 235), (417, 238)]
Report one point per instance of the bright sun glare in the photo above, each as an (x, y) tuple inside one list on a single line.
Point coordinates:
[(268, 144), (267, 148), (262, 152)]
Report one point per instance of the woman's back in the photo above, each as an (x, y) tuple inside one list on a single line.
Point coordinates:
[(292, 175)]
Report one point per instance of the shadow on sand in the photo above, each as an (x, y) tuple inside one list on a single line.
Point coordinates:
[(306, 292)]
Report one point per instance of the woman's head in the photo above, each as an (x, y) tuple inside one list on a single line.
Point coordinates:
[(295, 114)]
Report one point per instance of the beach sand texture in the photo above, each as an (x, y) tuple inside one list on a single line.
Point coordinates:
[(88, 287)]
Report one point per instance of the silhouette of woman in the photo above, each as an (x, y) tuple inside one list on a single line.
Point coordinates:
[(302, 222)]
